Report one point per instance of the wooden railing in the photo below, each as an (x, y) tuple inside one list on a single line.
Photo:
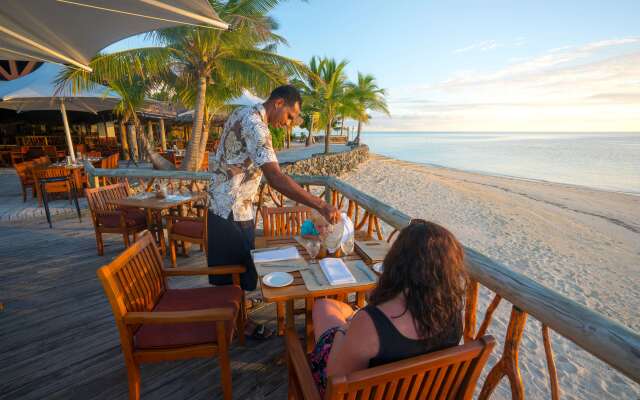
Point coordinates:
[(600, 336)]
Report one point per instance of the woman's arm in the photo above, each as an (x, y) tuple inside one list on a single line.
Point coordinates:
[(352, 352)]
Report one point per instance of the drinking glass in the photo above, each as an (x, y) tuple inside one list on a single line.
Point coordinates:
[(313, 248)]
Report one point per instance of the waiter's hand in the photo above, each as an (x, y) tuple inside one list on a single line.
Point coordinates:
[(330, 213)]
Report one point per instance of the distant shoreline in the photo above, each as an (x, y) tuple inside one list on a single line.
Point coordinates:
[(519, 178)]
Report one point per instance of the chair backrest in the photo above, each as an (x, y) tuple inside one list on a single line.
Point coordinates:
[(52, 172), (23, 170), (283, 221), (113, 160), (447, 374), (98, 198), (133, 282), (204, 165)]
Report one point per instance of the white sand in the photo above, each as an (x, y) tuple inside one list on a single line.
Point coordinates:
[(580, 242)]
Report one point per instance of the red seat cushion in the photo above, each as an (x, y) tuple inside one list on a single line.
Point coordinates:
[(177, 335), (192, 229), (133, 218)]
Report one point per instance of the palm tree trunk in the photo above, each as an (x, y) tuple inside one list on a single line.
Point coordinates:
[(326, 137), (205, 138), (124, 143), (190, 162), (359, 129), (309, 141), (156, 159), (132, 137)]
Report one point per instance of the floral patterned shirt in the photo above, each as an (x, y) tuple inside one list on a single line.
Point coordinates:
[(245, 145)]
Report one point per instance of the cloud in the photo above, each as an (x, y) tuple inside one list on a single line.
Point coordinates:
[(595, 86), (482, 46)]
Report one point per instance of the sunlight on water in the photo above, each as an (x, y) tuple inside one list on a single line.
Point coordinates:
[(607, 161)]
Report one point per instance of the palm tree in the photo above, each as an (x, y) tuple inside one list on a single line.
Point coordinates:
[(365, 95), (199, 61), (324, 91)]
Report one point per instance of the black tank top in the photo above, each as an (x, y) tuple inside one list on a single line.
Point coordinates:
[(394, 346)]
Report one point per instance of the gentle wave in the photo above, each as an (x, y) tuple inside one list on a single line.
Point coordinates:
[(606, 161)]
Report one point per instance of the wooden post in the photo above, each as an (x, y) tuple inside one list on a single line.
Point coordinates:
[(551, 364), (163, 136), (508, 363), (150, 137)]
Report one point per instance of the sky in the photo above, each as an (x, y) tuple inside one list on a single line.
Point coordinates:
[(482, 65)]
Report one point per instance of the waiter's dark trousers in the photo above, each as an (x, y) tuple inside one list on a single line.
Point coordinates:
[(230, 242)]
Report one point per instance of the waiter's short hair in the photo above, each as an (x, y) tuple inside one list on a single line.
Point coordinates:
[(289, 93)]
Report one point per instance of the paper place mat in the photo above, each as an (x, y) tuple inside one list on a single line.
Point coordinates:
[(374, 250), (314, 278), (271, 254)]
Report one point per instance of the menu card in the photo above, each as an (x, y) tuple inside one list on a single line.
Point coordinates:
[(336, 271)]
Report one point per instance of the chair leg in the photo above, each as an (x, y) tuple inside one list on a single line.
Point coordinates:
[(99, 243), (172, 251), (225, 374), (24, 194), (133, 373), (242, 321), (184, 248), (280, 313), (125, 236)]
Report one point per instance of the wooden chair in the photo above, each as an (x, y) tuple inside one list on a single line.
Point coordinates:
[(64, 186), (108, 218), (27, 180), (283, 222), (446, 374), (157, 323), (192, 229)]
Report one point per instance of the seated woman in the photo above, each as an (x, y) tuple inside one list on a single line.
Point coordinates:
[(415, 309)]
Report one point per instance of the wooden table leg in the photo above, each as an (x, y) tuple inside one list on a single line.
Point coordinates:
[(290, 322), (309, 336), (160, 227)]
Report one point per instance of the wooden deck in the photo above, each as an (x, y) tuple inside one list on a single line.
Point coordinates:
[(59, 341)]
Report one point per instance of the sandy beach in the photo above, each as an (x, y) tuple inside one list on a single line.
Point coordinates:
[(583, 243)]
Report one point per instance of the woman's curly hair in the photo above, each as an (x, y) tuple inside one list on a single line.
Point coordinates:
[(426, 263)]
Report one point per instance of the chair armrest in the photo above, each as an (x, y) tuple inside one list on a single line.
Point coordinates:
[(106, 213), (300, 367), (178, 317), (174, 218), (221, 270)]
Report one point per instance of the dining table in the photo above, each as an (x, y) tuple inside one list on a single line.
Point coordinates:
[(154, 207), (298, 290), (77, 170)]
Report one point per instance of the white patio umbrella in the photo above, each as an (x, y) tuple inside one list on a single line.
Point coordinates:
[(74, 31), (37, 91)]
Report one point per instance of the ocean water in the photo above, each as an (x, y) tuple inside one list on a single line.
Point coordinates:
[(606, 161)]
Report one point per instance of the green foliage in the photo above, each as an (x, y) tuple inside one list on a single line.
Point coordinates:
[(277, 137)]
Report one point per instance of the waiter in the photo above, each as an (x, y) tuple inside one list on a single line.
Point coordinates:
[(244, 154)]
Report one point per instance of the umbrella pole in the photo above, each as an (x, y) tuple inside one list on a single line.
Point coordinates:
[(67, 131)]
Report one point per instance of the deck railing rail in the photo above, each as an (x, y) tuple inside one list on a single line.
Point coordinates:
[(600, 336)]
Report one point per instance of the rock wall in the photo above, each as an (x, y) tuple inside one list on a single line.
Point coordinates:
[(331, 164)]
